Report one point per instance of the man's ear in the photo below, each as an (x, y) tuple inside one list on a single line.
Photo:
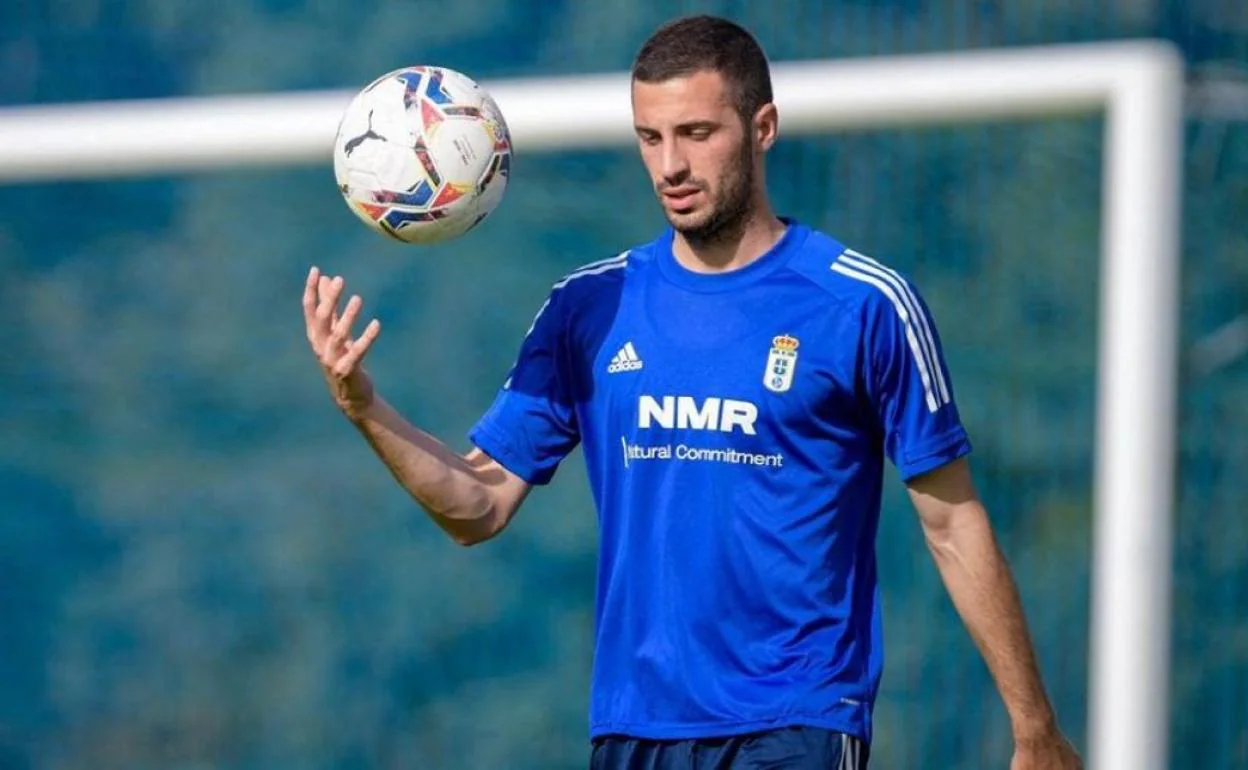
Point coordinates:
[(766, 126)]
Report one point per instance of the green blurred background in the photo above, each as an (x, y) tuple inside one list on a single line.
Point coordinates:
[(202, 565)]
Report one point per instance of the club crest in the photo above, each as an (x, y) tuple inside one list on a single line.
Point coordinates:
[(781, 361)]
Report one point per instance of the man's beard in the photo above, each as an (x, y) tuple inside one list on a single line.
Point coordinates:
[(729, 212)]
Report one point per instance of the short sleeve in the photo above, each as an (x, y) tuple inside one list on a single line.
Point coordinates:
[(531, 425), (907, 380)]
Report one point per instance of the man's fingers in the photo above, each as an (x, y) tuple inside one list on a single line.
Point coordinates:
[(309, 294), (342, 327), (358, 349), (329, 290), (309, 307)]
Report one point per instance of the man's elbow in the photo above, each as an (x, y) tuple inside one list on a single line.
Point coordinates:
[(476, 524), (958, 528), (939, 537), (468, 540), (468, 537)]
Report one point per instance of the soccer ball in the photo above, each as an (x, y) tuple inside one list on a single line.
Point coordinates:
[(422, 154)]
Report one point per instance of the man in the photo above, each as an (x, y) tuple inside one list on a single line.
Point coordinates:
[(736, 385)]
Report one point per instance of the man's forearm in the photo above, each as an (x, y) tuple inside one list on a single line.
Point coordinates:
[(983, 591), (447, 485)]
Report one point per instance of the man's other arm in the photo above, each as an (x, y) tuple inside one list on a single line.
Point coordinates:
[(961, 539)]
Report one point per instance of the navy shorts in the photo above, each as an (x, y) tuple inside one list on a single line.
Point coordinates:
[(791, 748)]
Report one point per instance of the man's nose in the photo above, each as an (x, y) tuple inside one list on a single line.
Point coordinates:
[(674, 165)]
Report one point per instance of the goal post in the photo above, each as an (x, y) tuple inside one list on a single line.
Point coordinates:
[(1137, 85)]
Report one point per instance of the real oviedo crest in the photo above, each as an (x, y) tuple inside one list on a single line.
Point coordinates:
[(778, 377)]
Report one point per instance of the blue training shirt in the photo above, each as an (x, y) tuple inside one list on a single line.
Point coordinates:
[(735, 428)]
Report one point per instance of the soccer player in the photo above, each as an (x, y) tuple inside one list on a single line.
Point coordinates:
[(737, 385)]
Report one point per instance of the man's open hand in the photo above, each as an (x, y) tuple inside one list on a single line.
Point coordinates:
[(329, 334)]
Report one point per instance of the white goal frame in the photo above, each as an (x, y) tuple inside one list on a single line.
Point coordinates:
[(1137, 85)]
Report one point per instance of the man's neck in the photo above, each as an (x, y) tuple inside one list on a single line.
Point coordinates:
[(756, 237)]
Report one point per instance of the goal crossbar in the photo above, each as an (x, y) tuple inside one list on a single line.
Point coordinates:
[(1138, 87)]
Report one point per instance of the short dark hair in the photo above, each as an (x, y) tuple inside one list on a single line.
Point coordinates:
[(696, 43)]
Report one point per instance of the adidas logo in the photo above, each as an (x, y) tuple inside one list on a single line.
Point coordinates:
[(626, 360)]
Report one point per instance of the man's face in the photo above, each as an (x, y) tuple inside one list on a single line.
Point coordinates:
[(699, 154)]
